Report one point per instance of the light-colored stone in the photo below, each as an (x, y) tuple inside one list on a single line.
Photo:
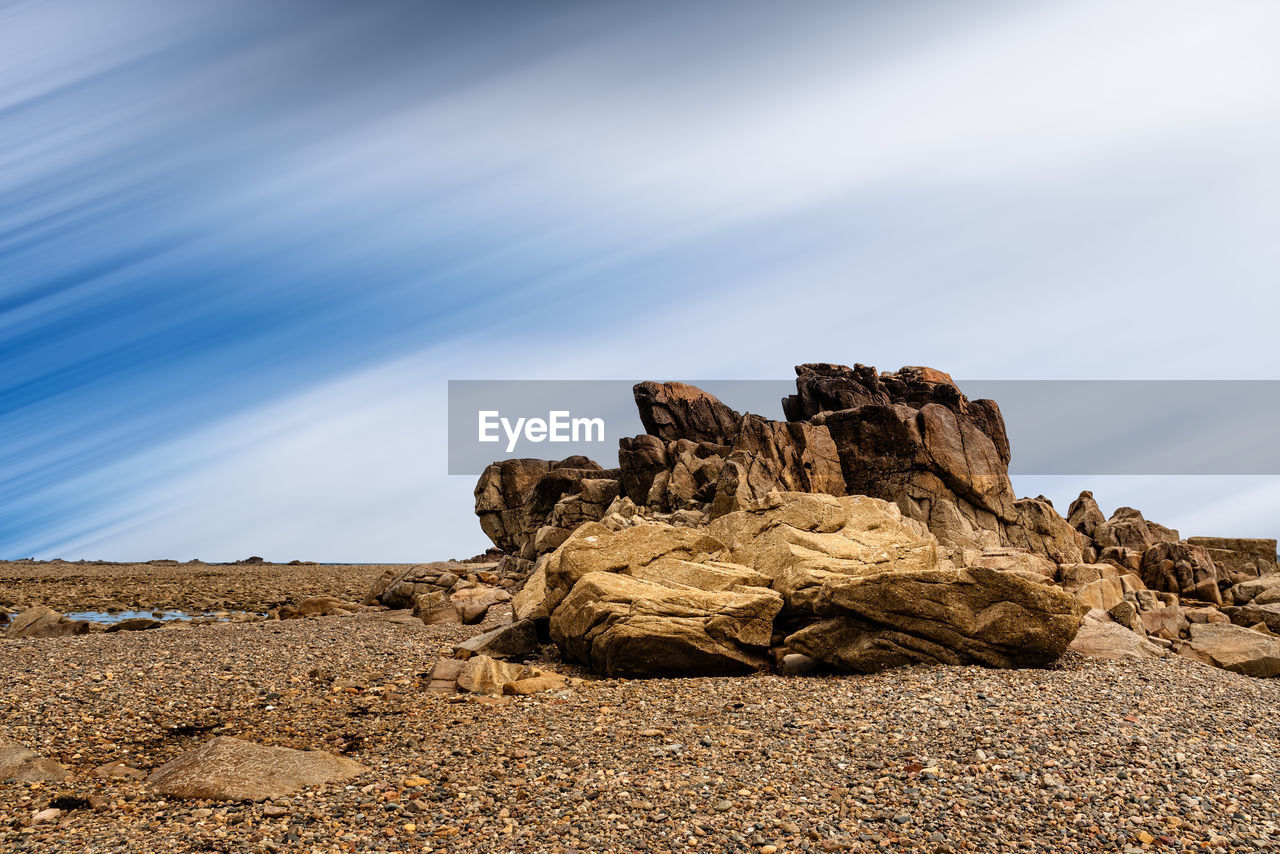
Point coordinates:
[(1234, 648), (625, 626), (42, 622), (1112, 640), (232, 769), (25, 765)]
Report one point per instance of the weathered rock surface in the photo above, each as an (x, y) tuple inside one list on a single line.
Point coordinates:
[(1234, 648), (516, 499), (25, 765), (1238, 559), (231, 769), (625, 626), (481, 674), (316, 606), (515, 640), (42, 622), (863, 587), (1100, 639), (1252, 614), (952, 616), (1262, 587), (673, 410), (1183, 569)]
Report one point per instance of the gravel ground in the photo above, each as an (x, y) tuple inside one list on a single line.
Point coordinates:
[(186, 586), (1090, 755)]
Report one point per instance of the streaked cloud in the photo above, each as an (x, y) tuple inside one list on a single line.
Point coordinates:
[(239, 239)]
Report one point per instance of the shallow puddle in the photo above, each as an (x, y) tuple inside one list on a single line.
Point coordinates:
[(106, 618)]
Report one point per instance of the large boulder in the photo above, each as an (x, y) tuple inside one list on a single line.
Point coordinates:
[(850, 581), (947, 615), (806, 543), (620, 625), (25, 765), (674, 410), (1252, 614), (1234, 648), (41, 622), (231, 769), (596, 548), (1264, 587), (1104, 639), (1183, 569)]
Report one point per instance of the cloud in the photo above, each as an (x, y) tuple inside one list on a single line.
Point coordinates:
[(236, 232)]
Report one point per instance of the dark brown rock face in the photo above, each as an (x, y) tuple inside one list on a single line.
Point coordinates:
[(1182, 569), (677, 411), (911, 437), (1129, 530), (528, 507), (1085, 515)]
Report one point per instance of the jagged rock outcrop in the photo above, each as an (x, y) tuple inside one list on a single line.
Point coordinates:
[(1238, 559), (528, 507), (910, 437), (674, 410), (879, 519), (1183, 569)]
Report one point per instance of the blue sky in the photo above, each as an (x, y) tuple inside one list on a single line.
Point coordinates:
[(243, 246)]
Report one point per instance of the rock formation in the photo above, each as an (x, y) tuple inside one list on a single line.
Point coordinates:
[(847, 581), (875, 526)]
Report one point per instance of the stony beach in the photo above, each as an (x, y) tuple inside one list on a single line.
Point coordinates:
[(196, 586), (1086, 755)]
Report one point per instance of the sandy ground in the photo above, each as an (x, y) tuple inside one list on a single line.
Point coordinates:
[(1086, 756)]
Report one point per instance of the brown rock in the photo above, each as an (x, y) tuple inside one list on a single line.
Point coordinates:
[(1183, 569), (1238, 559), (472, 604), (949, 616), (673, 410), (772, 456), (1168, 623), (517, 640), (1112, 640), (1248, 615), (1234, 648), (1085, 516), (316, 606), (1129, 530), (42, 622), (24, 765), (481, 674), (624, 626), (231, 769)]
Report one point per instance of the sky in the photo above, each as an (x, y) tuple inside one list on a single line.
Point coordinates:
[(244, 246)]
